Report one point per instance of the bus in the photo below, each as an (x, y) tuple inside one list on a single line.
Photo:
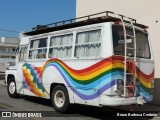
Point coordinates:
[(104, 59)]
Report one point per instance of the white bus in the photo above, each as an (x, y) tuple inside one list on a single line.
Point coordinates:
[(101, 61)]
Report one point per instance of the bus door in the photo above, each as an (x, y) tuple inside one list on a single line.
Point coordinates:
[(20, 60)]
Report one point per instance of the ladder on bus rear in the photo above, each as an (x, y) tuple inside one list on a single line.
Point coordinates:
[(130, 83), (129, 59)]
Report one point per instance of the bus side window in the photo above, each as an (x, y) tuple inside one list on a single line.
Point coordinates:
[(61, 46), (38, 49), (88, 44)]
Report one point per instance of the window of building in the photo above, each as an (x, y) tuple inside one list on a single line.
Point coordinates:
[(38, 49), (4, 56), (13, 49), (142, 44), (13, 57), (61, 46), (88, 44)]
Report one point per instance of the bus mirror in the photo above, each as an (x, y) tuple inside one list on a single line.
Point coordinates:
[(123, 41)]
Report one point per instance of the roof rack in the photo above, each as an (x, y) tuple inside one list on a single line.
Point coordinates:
[(106, 16)]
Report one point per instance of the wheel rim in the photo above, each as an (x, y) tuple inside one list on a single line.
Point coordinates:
[(59, 98), (12, 87)]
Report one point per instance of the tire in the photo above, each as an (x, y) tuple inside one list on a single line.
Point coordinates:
[(60, 99), (11, 88)]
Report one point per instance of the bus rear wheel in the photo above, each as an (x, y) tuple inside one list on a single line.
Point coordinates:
[(60, 99), (11, 88)]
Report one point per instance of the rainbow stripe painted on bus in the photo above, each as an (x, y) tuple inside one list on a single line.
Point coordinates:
[(100, 75)]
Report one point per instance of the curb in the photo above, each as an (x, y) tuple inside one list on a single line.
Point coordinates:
[(2, 83)]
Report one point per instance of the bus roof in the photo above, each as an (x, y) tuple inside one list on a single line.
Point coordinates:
[(106, 16)]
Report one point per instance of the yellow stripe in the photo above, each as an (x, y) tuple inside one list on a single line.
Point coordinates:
[(148, 85)]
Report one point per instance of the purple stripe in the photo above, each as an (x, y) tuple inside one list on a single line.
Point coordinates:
[(145, 99)]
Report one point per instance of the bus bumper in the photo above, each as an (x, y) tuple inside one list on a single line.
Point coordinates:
[(120, 101)]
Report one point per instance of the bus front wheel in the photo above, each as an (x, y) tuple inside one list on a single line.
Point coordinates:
[(11, 88), (60, 99)]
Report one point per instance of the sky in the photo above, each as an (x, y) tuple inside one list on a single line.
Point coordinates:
[(23, 15)]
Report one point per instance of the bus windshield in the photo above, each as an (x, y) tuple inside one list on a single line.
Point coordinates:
[(142, 44)]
